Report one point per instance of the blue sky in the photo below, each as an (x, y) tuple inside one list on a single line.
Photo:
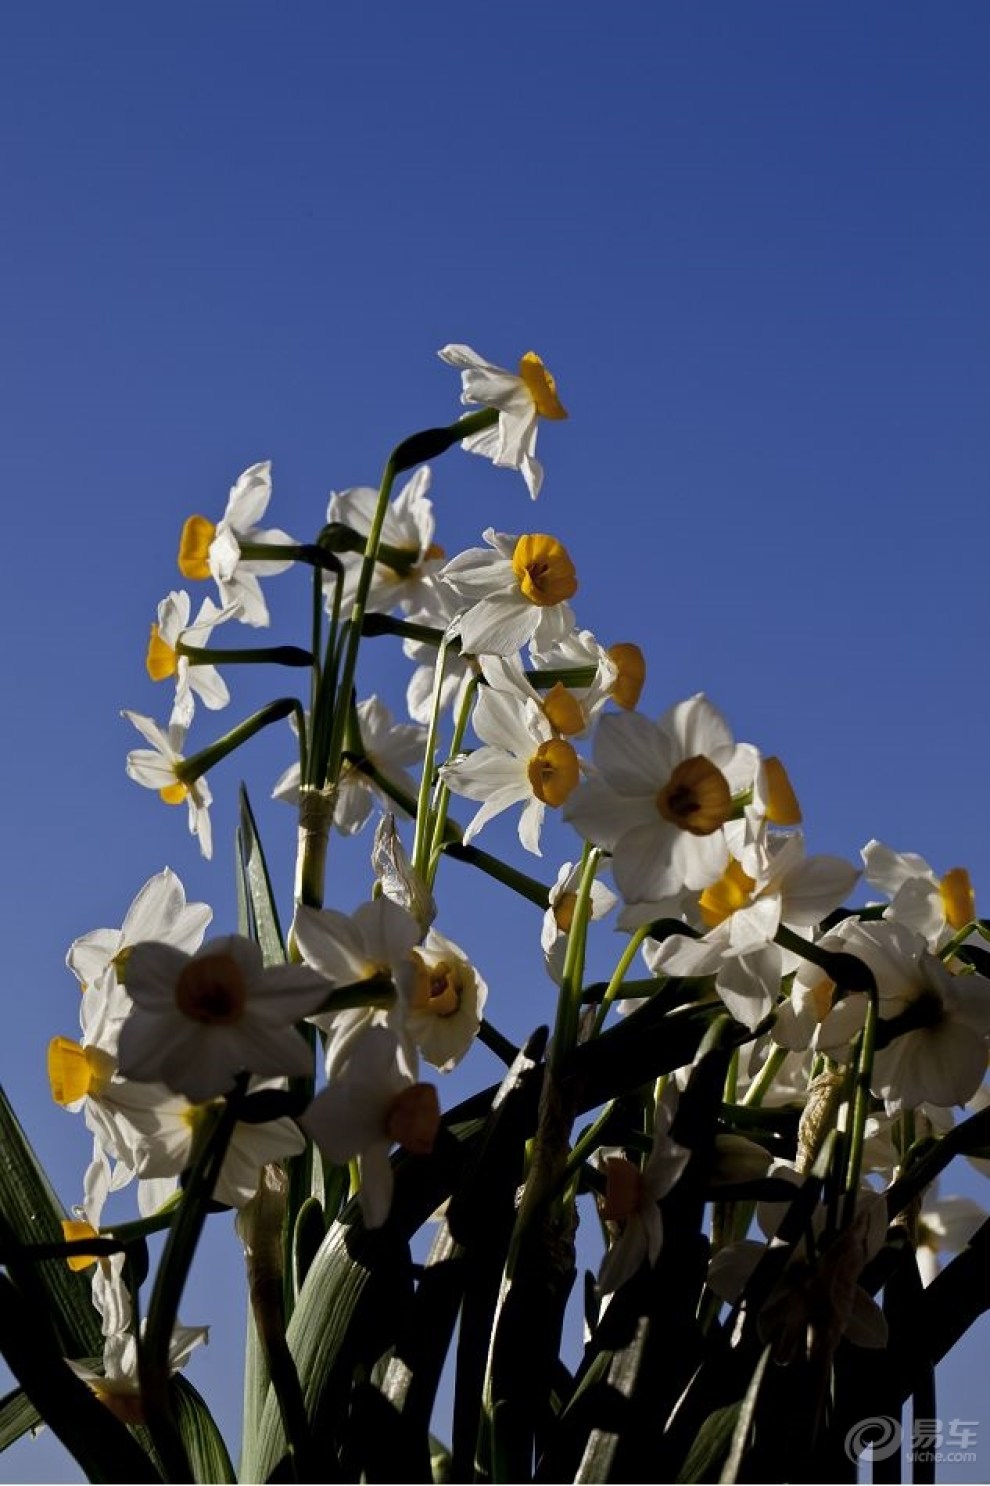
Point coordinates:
[(750, 241)]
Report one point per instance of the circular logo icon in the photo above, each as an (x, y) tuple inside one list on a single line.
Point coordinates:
[(881, 1434)]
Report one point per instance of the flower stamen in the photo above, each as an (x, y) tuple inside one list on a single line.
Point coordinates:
[(211, 990), (553, 771), (696, 797)]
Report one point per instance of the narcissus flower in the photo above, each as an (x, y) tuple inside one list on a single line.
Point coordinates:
[(630, 1208), (560, 915), (373, 1102), (200, 1020), (98, 960), (934, 1024), (387, 744), (521, 397), (207, 551), (936, 907), (164, 661), (160, 767), (662, 796), (522, 761), (743, 915), (408, 528), (448, 997), (513, 593)]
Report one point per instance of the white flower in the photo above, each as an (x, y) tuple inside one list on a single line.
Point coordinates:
[(98, 959), (387, 744), (743, 915), (163, 659), (513, 593), (118, 1385), (408, 527), (620, 670), (631, 1199), (448, 997), (372, 1103), (935, 907), (522, 760), (946, 1224), (376, 940), (934, 1024), (521, 398), (207, 551), (159, 768), (458, 669), (200, 1020), (662, 797), (559, 916)]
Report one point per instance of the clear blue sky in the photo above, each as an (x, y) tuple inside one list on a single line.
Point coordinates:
[(751, 241)]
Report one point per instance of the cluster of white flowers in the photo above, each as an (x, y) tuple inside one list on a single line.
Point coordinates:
[(693, 827)]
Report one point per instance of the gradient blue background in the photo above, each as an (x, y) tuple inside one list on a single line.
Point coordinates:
[(751, 240)]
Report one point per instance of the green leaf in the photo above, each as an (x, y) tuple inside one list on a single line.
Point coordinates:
[(355, 1297), (744, 1423), (710, 1446), (599, 1459), (18, 1415), (32, 1213), (255, 889), (200, 1435), (99, 1442)]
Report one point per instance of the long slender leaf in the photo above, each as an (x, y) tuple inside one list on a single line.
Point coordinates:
[(32, 1213), (18, 1416), (203, 1441), (355, 1296), (88, 1430)]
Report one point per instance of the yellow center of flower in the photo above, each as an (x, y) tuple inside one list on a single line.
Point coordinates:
[(696, 797), (434, 553), (563, 912), (72, 1232), (958, 898), (125, 1404), (782, 803), (553, 771), (194, 547), (822, 996), (438, 987), (75, 1071), (563, 710), (119, 963), (545, 572), (161, 660), (211, 990), (630, 664), (724, 897), (174, 794), (541, 387), (413, 1119), (623, 1189)]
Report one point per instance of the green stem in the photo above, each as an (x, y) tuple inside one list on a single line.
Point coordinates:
[(277, 655), (153, 1351), (760, 1086), (618, 976), (308, 552), (441, 798), (194, 767), (349, 667), (423, 812), (569, 1001), (860, 1107)]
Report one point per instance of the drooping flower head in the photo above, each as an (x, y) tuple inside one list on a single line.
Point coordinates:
[(521, 397)]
